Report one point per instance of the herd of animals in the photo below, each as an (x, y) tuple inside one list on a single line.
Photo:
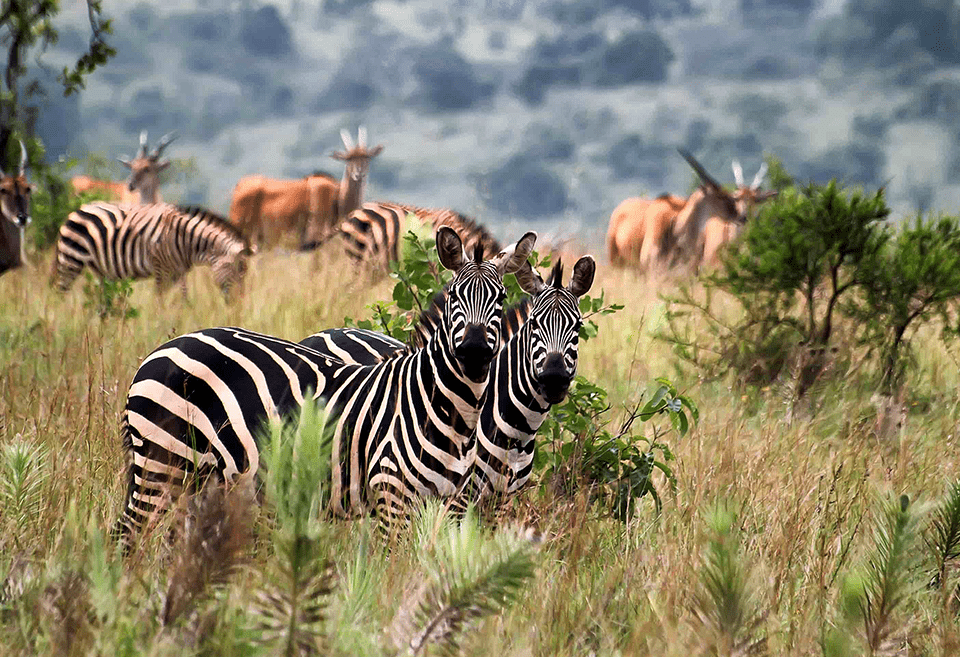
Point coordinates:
[(454, 413)]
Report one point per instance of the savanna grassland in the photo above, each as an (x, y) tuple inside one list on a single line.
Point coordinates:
[(781, 518)]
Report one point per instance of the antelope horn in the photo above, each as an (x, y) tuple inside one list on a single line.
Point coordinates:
[(704, 176), (142, 151), (163, 143), (738, 173), (758, 179), (347, 139), (23, 158), (362, 136)]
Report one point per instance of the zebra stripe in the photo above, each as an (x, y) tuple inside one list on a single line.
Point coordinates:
[(372, 233), (158, 240), (531, 372), (402, 427)]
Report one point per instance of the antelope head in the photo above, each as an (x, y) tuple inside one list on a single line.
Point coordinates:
[(146, 166), (748, 196), (729, 206), (15, 193), (356, 156)]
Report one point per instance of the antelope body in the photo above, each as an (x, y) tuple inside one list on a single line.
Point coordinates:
[(143, 185), (267, 210), (670, 230), (15, 209)]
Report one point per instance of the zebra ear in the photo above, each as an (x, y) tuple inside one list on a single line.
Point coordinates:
[(582, 278), (450, 249), (511, 259), (529, 279)]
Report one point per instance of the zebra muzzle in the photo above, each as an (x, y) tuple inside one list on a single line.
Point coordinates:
[(474, 354), (554, 379)]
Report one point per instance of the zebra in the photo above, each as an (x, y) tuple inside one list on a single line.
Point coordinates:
[(159, 240), (532, 372), (372, 232), (401, 428)]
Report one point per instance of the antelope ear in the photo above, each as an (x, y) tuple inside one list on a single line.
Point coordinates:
[(510, 260), (529, 279), (124, 161), (763, 196), (375, 151), (450, 249), (582, 278), (163, 164)]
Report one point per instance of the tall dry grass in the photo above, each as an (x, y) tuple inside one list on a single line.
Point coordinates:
[(805, 491)]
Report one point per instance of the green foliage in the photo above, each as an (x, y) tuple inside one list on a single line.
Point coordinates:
[(590, 307), (469, 574), (804, 253), (942, 536), (914, 279), (291, 607), (109, 298), (871, 597), (725, 603), (21, 481), (777, 175), (53, 202), (576, 446)]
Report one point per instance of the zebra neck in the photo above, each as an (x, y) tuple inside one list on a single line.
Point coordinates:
[(449, 379)]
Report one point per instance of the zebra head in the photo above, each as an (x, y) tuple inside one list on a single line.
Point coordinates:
[(474, 300), (552, 331)]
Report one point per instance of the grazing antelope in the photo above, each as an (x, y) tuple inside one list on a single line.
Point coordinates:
[(669, 230), (143, 185), (15, 208), (265, 210)]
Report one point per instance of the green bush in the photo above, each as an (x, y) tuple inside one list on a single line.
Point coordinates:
[(802, 255), (53, 201)]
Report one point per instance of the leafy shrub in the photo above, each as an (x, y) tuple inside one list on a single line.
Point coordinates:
[(109, 298), (795, 262), (914, 279), (54, 200), (578, 449)]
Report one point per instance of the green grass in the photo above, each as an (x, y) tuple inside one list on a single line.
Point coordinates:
[(805, 492)]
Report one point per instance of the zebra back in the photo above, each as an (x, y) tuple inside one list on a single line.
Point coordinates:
[(139, 241), (372, 233)]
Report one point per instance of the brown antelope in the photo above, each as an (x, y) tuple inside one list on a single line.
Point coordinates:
[(143, 185), (266, 210), (15, 208), (670, 229)]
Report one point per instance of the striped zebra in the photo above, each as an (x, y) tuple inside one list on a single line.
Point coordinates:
[(531, 372), (372, 232), (402, 427), (159, 240)]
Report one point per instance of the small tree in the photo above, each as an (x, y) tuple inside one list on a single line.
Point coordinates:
[(795, 262), (914, 279)]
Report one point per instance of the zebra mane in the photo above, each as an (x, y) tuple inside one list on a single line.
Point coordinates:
[(556, 275), (214, 218)]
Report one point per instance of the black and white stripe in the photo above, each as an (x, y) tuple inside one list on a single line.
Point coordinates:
[(372, 232), (159, 240), (530, 373), (403, 427)]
